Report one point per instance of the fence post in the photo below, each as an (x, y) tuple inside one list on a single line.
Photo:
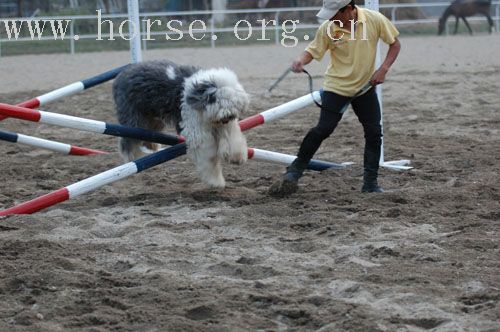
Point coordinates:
[(393, 15), (212, 35), (277, 28), (497, 14), (72, 37), (144, 40), (134, 31)]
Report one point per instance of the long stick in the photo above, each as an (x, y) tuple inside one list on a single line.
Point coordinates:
[(142, 164), (94, 126), (278, 112), (281, 78), (70, 89), (48, 145)]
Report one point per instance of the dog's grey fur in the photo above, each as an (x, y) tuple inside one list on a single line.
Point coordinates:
[(203, 104), (143, 93)]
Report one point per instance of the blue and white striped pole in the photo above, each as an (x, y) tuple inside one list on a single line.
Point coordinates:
[(97, 181), (46, 144), (70, 89), (131, 168)]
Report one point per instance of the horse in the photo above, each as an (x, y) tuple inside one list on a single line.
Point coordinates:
[(464, 8)]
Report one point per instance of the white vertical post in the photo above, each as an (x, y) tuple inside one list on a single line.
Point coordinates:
[(277, 28), (374, 5), (219, 6), (400, 164), (72, 37), (497, 14), (212, 31), (144, 40), (135, 31)]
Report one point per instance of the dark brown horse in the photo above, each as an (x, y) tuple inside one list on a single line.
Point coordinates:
[(465, 8)]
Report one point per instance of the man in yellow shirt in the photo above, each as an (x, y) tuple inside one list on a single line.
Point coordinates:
[(350, 35)]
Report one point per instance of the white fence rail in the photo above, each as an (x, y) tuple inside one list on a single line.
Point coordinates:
[(213, 29)]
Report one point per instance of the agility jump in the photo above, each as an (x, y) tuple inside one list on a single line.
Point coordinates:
[(163, 156), (158, 157)]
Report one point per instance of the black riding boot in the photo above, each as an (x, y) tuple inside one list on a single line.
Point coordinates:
[(371, 164), (295, 170), (290, 181)]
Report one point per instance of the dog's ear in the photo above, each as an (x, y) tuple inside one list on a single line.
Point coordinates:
[(202, 94)]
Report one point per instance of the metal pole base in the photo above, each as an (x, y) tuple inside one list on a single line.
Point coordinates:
[(397, 165)]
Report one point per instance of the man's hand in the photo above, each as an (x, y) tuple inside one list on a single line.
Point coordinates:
[(378, 77), (304, 59), (297, 66)]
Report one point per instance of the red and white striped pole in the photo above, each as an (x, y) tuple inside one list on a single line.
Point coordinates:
[(88, 125), (279, 111)]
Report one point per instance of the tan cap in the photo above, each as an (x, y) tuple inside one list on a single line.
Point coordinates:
[(331, 7)]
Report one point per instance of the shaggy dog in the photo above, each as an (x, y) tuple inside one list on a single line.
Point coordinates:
[(204, 105)]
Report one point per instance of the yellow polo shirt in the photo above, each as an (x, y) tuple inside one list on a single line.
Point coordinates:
[(352, 59)]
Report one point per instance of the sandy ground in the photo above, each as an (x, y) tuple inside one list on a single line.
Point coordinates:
[(159, 252)]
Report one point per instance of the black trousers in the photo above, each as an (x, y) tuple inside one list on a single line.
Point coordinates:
[(367, 109)]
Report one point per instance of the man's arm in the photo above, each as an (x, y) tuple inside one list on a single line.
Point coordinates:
[(304, 59), (379, 76)]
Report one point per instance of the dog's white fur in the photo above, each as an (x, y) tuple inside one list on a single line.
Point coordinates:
[(211, 141), (204, 104)]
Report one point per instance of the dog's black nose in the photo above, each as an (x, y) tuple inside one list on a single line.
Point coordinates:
[(228, 119)]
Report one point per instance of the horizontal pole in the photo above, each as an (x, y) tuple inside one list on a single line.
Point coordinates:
[(8, 136), (279, 111), (47, 144), (70, 89), (88, 125), (38, 204), (102, 78)]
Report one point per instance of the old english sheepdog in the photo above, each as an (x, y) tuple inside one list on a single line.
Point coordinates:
[(204, 105)]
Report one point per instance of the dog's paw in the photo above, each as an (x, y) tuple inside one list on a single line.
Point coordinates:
[(238, 158), (214, 180), (216, 183)]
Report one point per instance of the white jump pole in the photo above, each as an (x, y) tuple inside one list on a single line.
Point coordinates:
[(398, 164), (135, 31)]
